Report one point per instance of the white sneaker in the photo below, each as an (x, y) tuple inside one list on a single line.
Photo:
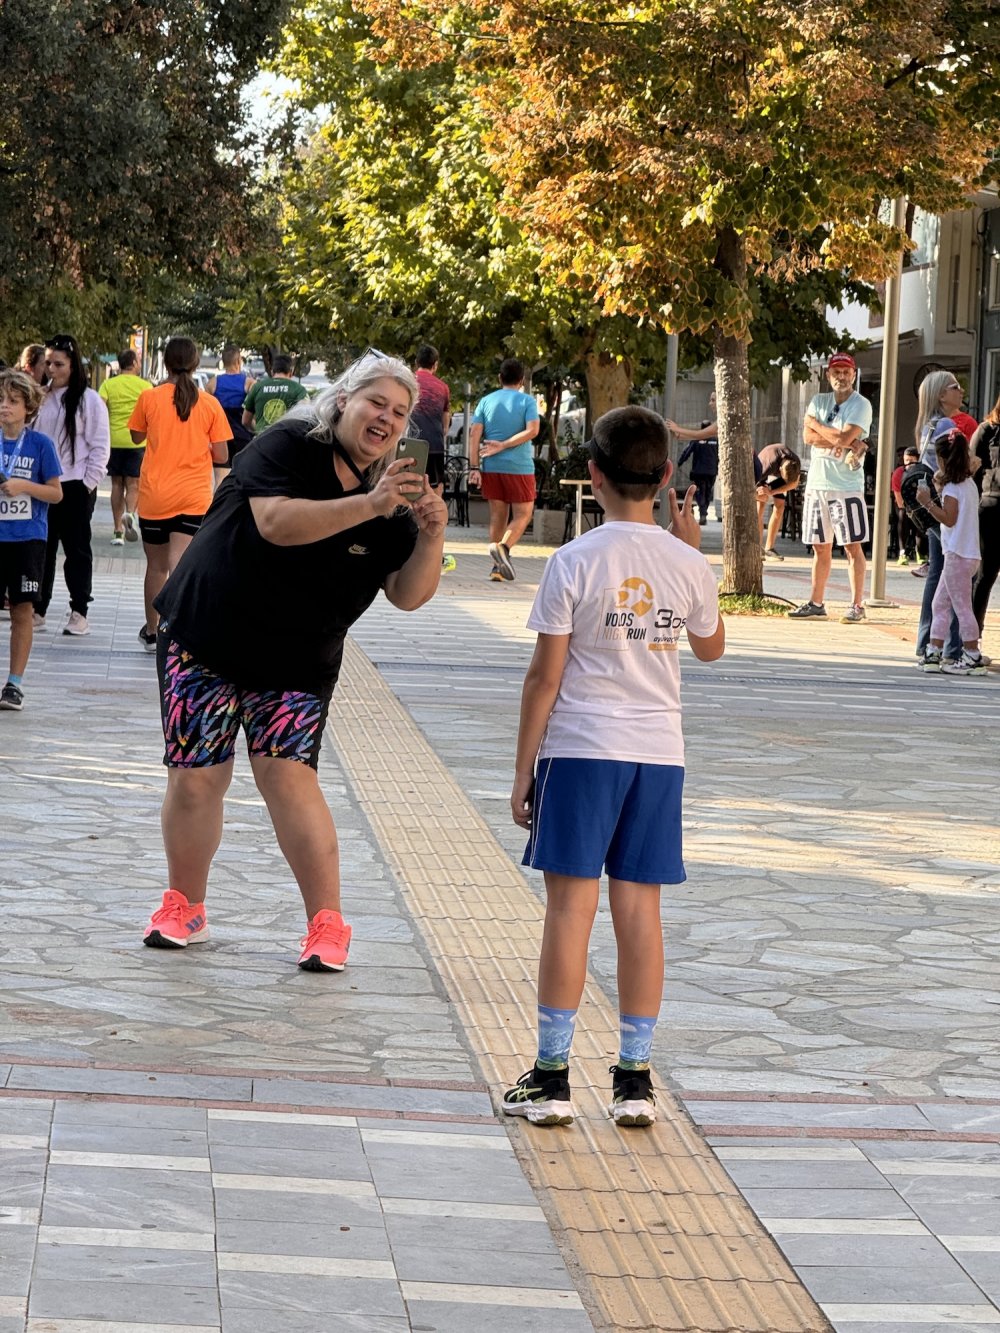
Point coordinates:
[(131, 525), (76, 625), (37, 622), (118, 539)]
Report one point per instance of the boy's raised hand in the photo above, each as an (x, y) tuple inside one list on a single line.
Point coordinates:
[(683, 523)]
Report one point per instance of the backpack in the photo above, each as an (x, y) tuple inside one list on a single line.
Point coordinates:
[(919, 474), (988, 450)]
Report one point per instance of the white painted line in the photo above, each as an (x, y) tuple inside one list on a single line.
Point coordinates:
[(19, 1217), (502, 1212), (909, 1167), (18, 1141), (129, 1161), (285, 1118), (137, 1240), (526, 1298), (912, 1314), (102, 1326), (428, 1139), (357, 1189), (842, 1226), (972, 1244), (305, 1265), (13, 1307)]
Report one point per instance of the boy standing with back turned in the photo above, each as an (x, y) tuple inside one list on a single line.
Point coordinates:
[(601, 715)]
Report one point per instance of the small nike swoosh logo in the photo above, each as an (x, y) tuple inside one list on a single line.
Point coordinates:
[(357, 550)]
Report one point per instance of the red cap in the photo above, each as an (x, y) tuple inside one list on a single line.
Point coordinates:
[(842, 359)]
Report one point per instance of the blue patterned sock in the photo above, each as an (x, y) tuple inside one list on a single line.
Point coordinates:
[(14, 680), (555, 1036), (636, 1041)]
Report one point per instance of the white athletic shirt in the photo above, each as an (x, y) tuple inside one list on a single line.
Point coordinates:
[(963, 538), (624, 592)]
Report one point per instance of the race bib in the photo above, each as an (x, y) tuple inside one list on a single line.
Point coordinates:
[(15, 507)]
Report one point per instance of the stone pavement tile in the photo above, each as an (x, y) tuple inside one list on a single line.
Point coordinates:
[(864, 1203), (863, 1251), (427, 1174), (345, 1164), (22, 1180), (985, 1270), (433, 1262), (930, 1150), (132, 1303), (483, 1234), (493, 1130), (24, 1115), (261, 1320), (4, 1074), (293, 1293), (112, 1263), (962, 1119), (17, 1253), (454, 1317), (433, 1101), (87, 1196), (119, 1139), (322, 1211), (128, 1115), (130, 1083), (804, 1175), (11, 1324), (928, 1283), (342, 1241), (911, 1320), (276, 1133), (806, 1114)]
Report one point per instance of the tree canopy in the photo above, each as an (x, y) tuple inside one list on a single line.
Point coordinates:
[(124, 158), (662, 155)]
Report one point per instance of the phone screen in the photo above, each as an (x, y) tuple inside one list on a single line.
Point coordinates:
[(417, 449)]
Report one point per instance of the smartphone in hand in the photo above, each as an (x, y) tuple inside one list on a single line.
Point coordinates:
[(417, 450)]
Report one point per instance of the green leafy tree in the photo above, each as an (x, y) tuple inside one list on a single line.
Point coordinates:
[(663, 155), (123, 155)]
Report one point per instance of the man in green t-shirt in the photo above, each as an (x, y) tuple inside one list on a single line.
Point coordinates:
[(271, 397), (121, 393)]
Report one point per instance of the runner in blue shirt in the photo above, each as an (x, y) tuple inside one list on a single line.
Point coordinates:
[(29, 483)]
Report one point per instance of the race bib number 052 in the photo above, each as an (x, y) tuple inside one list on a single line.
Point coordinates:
[(17, 507)]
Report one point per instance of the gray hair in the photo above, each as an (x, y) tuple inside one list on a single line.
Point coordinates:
[(929, 400), (325, 411)]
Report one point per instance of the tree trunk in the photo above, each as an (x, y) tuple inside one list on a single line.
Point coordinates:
[(609, 383), (741, 554)]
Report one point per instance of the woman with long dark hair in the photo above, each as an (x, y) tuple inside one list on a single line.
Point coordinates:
[(75, 417), (184, 431), (986, 446), (316, 519)]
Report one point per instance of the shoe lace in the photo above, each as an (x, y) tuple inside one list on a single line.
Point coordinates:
[(324, 930)]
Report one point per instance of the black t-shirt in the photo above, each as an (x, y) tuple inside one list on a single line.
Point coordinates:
[(275, 617), (767, 464)]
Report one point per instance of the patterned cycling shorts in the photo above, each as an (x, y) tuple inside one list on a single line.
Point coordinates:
[(202, 715)]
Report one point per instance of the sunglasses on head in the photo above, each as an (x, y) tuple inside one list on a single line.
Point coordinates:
[(62, 342)]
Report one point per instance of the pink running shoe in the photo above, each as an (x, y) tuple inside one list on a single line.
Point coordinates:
[(176, 924), (325, 946)]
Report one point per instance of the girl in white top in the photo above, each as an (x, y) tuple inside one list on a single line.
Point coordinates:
[(958, 514)]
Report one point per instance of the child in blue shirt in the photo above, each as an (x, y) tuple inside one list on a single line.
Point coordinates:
[(600, 753), (29, 483)]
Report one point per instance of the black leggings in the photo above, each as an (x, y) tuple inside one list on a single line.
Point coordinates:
[(69, 523), (989, 541)]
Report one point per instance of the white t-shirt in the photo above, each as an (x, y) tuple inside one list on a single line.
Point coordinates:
[(827, 472), (624, 592), (963, 538)]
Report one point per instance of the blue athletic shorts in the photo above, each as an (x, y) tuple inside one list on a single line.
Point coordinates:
[(594, 814)]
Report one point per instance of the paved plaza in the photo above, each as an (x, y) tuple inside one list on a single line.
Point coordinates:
[(213, 1140)]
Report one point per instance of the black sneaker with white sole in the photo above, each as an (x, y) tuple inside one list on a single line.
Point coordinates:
[(632, 1100), (542, 1096), (147, 640), (808, 611), (12, 698)]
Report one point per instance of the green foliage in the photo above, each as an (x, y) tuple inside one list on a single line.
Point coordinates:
[(123, 156)]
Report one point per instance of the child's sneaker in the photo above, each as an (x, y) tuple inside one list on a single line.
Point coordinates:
[(327, 941), (932, 660), (632, 1100), (12, 698), (541, 1096), (176, 923), (969, 664)]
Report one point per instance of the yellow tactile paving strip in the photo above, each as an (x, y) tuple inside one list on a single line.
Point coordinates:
[(653, 1228)]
